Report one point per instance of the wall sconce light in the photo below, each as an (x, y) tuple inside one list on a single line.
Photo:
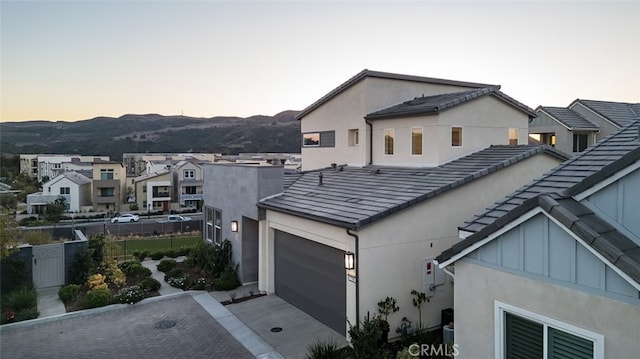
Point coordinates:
[(349, 261), (234, 226)]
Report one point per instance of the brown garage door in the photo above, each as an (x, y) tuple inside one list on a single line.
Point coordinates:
[(311, 276)]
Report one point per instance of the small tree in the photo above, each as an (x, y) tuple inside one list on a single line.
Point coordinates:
[(54, 211), (385, 308), (419, 298)]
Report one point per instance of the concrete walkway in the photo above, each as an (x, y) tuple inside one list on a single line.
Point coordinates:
[(248, 322)]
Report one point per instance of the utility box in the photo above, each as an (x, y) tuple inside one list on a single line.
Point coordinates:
[(432, 276)]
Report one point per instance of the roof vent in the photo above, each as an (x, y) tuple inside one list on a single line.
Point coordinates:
[(320, 176), (334, 165)]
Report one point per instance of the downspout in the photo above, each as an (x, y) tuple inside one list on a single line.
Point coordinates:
[(370, 144), (357, 255)]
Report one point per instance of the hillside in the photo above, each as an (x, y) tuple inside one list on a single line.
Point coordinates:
[(154, 133)]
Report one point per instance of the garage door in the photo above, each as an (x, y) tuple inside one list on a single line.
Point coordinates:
[(311, 276)]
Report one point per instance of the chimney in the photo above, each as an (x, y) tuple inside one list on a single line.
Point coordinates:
[(320, 176)]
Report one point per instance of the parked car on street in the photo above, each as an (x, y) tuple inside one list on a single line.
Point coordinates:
[(177, 218), (125, 218)]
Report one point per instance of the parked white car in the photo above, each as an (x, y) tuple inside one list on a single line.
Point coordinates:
[(125, 218), (177, 218)]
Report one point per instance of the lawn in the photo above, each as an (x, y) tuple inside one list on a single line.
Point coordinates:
[(118, 248)]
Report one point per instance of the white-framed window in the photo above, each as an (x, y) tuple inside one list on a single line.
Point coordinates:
[(354, 137), (106, 174), (513, 136), (311, 139), (524, 334), (389, 135), (189, 174), (456, 136), (416, 141), (65, 190), (213, 221)]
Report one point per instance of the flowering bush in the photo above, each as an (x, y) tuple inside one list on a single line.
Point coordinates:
[(96, 282), (115, 274), (178, 282), (130, 295), (199, 284), (97, 297)]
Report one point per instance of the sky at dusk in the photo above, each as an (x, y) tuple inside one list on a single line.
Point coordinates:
[(78, 60)]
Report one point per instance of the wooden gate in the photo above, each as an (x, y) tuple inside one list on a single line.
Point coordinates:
[(48, 265)]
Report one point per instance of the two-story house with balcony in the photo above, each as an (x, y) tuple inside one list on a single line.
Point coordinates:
[(188, 184), (153, 191), (72, 186), (47, 166), (581, 124), (109, 186), (390, 164)]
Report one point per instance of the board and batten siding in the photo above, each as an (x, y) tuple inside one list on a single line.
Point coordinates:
[(620, 202), (541, 248)]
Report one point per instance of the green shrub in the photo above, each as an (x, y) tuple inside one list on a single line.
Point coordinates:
[(365, 339), (136, 271), (176, 272), (326, 350), (130, 295), (166, 265), (171, 253), (81, 267), (68, 292), (16, 274), (124, 266), (20, 299), (97, 298), (228, 280), (141, 256), (26, 314), (150, 284), (181, 282), (199, 284), (157, 255), (183, 251)]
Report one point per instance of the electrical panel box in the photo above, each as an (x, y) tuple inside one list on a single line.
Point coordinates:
[(432, 276)]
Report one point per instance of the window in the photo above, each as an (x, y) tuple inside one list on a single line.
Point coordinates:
[(513, 137), (106, 192), (416, 141), (190, 190), (528, 335), (354, 137), (106, 174), (213, 219), (189, 174), (388, 142), (456, 136), (311, 139), (65, 190), (579, 142)]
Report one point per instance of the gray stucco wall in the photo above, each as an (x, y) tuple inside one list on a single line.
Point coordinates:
[(235, 189)]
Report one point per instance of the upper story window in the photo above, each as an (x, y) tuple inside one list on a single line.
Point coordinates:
[(580, 141), (106, 174), (189, 174), (389, 136), (416, 141), (213, 220), (65, 190), (456, 136), (311, 139), (513, 136), (354, 137)]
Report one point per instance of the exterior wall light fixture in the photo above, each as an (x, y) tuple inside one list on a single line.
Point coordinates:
[(349, 261), (234, 226)]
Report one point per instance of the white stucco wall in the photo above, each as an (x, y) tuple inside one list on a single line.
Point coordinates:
[(392, 249), (347, 110), (478, 287)]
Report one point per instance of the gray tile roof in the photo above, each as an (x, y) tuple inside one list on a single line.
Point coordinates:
[(573, 176), (552, 192), (620, 113), (569, 118), (385, 75), (353, 197), (437, 103)]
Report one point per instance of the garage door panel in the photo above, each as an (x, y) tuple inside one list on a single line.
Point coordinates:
[(311, 276)]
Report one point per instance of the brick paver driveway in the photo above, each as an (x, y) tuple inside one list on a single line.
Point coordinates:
[(173, 328)]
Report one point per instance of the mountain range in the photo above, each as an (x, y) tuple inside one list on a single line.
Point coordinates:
[(109, 136)]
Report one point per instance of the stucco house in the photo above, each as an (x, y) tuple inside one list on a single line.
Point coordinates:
[(72, 186), (581, 124), (188, 179), (153, 191), (555, 266), (109, 186)]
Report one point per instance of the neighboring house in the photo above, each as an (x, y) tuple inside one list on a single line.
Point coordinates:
[(47, 166), (581, 124), (137, 162), (188, 181), (555, 266), (391, 119), (109, 186), (153, 191), (230, 209), (73, 187)]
